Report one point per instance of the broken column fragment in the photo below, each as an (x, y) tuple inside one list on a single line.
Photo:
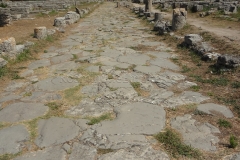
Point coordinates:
[(179, 18)]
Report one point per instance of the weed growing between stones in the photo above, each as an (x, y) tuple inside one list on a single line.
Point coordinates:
[(32, 127), (224, 123), (27, 94), (174, 145), (9, 156), (72, 95), (236, 84), (3, 71), (233, 141), (95, 120), (195, 88), (185, 69), (104, 151), (25, 55), (137, 87)]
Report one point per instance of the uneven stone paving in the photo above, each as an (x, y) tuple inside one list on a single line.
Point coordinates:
[(104, 43)]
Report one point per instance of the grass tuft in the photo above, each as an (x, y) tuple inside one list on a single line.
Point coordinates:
[(224, 123), (95, 120), (174, 145), (233, 142)]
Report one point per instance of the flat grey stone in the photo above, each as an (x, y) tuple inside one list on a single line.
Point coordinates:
[(147, 69), (27, 73), (88, 108), (65, 66), (135, 118), (118, 84), (160, 55), (83, 152), (131, 77), (136, 59), (51, 153), (166, 79), (22, 111), (42, 97), (186, 84), (49, 55), (158, 96), (208, 107), (56, 84), (55, 131), (197, 135), (107, 69), (12, 139), (165, 63), (137, 153), (121, 93), (60, 59), (9, 98), (122, 65), (13, 86), (39, 63), (187, 97), (93, 69), (113, 53)]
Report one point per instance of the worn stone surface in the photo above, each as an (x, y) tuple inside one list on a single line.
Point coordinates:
[(56, 83), (22, 111), (55, 131), (3, 62), (12, 139), (210, 108), (197, 135), (39, 63), (144, 119), (53, 153), (83, 152), (136, 152)]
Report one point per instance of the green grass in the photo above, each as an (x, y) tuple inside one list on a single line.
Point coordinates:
[(95, 120), (185, 69), (3, 71), (195, 88), (72, 95), (174, 145), (233, 142), (53, 105), (49, 38), (3, 5), (27, 94), (235, 85), (25, 55), (224, 123), (136, 85), (9, 156), (237, 15), (221, 81)]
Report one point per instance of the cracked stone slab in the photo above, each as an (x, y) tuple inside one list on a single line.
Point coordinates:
[(209, 107), (22, 111), (65, 66), (158, 96), (51, 153), (42, 97), (83, 152), (39, 63), (197, 135), (49, 55), (56, 84), (94, 89), (165, 63), (166, 79), (187, 97), (147, 69), (136, 59), (60, 59), (55, 130), (12, 139), (121, 93), (88, 107), (136, 152), (13, 86), (135, 118)]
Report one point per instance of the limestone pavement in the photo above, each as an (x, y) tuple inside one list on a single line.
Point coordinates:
[(102, 46)]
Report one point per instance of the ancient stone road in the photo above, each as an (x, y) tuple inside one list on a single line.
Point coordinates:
[(105, 43)]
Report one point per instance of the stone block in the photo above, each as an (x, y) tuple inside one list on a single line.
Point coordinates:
[(60, 22), (40, 32), (7, 45), (179, 18)]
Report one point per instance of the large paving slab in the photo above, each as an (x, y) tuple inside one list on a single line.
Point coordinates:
[(22, 111), (12, 139), (136, 59), (56, 84), (39, 63), (197, 135), (136, 153), (135, 118), (55, 131), (209, 108), (51, 153), (83, 152), (165, 63)]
